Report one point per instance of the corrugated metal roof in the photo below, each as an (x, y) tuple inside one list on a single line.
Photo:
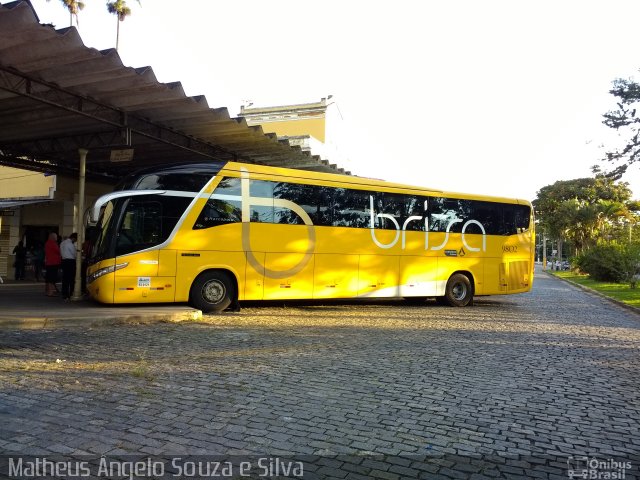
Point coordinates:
[(57, 95)]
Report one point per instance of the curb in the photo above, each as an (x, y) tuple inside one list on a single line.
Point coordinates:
[(631, 308), (114, 319), (26, 307)]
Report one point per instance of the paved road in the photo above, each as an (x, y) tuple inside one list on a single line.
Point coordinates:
[(513, 388)]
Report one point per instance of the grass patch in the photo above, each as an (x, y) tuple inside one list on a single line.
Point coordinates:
[(618, 291), (141, 369)]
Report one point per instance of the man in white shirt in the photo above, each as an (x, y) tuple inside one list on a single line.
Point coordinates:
[(68, 253)]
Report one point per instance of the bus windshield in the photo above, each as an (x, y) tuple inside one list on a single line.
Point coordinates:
[(101, 243), (137, 223)]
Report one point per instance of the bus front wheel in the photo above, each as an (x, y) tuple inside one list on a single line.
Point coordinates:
[(212, 292), (459, 292)]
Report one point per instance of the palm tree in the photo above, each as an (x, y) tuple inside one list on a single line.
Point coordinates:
[(74, 6), (610, 213), (580, 222), (120, 9)]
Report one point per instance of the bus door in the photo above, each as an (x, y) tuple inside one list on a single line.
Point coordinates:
[(150, 273)]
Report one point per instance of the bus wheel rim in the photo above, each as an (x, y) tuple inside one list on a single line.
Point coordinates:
[(213, 291), (459, 291)]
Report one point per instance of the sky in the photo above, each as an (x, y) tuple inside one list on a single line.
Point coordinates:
[(496, 97)]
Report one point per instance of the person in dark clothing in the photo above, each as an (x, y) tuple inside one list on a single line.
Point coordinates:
[(68, 254), (38, 261), (20, 252)]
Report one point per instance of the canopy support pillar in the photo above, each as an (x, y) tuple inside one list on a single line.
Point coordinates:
[(77, 288)]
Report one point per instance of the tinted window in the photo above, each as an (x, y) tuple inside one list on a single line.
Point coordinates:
[(490, 215), (342, 207), (261, 210), (148, 221), (447, 213), (415, 207), (496, 218), (223, 206), (350, 208), (316, 201), (186, 178), (390, 204), (519, 216), (105, 229), (218, 212)]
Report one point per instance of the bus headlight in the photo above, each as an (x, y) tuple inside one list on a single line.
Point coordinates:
[(103, 271)]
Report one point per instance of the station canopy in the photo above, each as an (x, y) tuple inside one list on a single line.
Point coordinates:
[(57, 96)]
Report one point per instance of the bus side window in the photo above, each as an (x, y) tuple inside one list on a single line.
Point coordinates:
[(415, 207), (522, 218), (350, 208), (313, 199), (489, 214), (510, 219), (442, 212), (390, 204), (516, 218), (220, 210), (264, 190)]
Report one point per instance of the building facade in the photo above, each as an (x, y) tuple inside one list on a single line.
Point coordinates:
[(33, 204), (317, 128)]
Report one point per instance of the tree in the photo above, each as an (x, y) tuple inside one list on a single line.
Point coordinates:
[(610, 214), (626, 120), (120, 9), (582, 220), (74, 6), (584, 209)]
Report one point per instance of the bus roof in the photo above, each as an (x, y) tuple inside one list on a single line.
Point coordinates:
[(352, 181)]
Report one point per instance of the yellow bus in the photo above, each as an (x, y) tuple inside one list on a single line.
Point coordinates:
[(213, 234)]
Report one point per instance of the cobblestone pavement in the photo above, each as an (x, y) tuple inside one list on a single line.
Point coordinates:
[(513, 387)]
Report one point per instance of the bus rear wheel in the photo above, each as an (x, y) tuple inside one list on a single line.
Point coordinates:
[(459, 292), (212, 292)]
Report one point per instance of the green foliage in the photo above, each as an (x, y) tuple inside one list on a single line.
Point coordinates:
[(119, 8), (73, 6), (610, 262), (585, 210), (587, 189), (626, 120)]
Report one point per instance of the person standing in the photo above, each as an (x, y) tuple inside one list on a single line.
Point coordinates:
[(52, 261), (68, 254), (38, 261), (21, 254)]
